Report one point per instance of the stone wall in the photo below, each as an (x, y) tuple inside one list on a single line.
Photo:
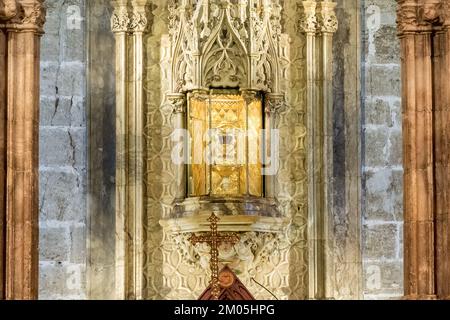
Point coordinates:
[(382, 202), (63, 152)]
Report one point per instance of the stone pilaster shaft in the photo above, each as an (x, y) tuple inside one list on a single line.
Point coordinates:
[(442, 160), (319, 23), (3, 119), (128, 24), (19, 148), (425, 50)]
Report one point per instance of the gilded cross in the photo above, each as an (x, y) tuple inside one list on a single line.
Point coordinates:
[(214, 239)]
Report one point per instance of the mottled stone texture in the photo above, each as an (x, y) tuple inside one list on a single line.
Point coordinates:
[(102, 147), (63, 153), (382, 202)]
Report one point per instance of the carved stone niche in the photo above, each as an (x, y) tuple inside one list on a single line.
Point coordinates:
[(221, 50)]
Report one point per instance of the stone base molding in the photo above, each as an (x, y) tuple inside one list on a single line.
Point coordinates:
[(21, 25), (425, 48)]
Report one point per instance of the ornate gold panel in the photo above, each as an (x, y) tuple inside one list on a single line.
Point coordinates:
[(226, 136)]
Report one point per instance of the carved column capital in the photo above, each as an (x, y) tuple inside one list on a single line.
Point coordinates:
[(120, 19), (414, 16), (327, 19), (177, 103), (8, 9), (138, 18), (28, 15), (274, 103), (308, 20), (249, 96)]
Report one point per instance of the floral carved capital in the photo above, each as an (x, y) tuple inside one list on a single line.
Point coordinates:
[(27, 15), (138, 20), (274, 104), (422, 15), (308, 19), (318, 17), (120, 19), (328, 22)]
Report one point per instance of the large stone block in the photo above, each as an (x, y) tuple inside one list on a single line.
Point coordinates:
[(70, 79), (61, 281), (50, 47), (62, 196), (65, 79), (63, 147), (73, 45), (78, 244), (383, 195), (387, 45), (383, 80), (54, 244), (63, 111), (377, 147), (380, 241), (383, 277), (378, 112), (396, 148)]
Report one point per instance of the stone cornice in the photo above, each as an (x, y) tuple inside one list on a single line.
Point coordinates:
[(29, 15), (417, 16)]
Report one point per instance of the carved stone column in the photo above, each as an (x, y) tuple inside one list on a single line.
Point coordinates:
[(274, 103), (423, 30), (178, 102), (128, 24), (22, 31), (442, 152), (119, 25), (319, 23), (3, 112)]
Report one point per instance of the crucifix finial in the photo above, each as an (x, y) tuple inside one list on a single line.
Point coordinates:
[(214, 239)]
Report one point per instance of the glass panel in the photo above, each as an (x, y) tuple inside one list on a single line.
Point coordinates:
[(228, 124), (234, 142), (255, 148), (198, 126)]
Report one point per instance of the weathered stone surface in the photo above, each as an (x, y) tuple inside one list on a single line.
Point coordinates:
[(383, 278), (63, 111), (102, 117), (63, 281), (381, 241), (63, 151), (53, 244), (383, 80), (377, 147), (387, 44), (77, 237), (63, 147), (382, 142), (62, 195), (384, 195), (378, 112)]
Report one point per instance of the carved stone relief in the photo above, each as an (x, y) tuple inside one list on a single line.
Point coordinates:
[(214, 48)]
